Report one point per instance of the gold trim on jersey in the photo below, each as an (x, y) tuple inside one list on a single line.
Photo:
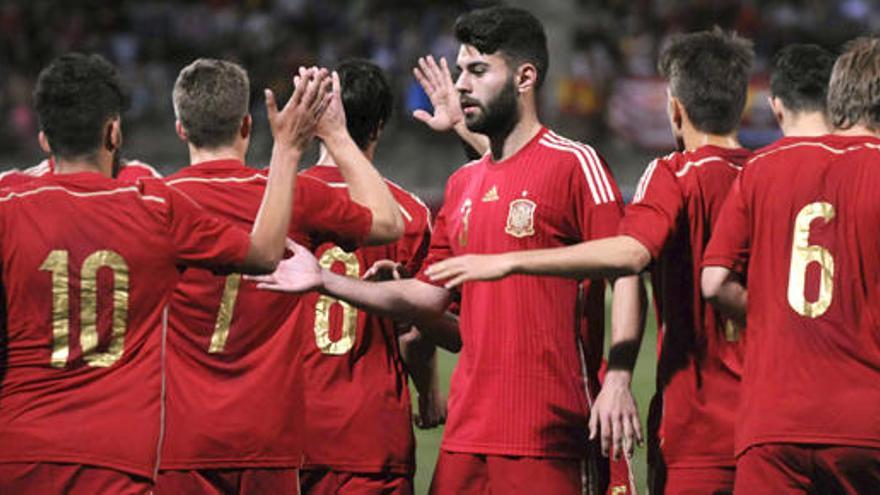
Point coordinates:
[(465, 211), (215, 179), (521, 218), (38, 190)]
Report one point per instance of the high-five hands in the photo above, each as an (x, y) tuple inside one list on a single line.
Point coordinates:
[(295, 124), (299, 273)]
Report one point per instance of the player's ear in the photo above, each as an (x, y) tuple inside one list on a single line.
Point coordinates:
[(246, 124), (113, 135), (181, 132), (676, 112), (776, 106), (44, 143), (526, 78)]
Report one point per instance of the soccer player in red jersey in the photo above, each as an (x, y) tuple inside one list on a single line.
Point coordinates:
[(518, 404), (798, 88), (807, 213), (235, 397), (667, 227), (88, 267), (358, 419)]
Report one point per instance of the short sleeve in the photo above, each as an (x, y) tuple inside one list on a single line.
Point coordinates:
[(731, 238), (440, 246), (328, 214), (417, 244), (596, 200), (199, 238), (651, 217)]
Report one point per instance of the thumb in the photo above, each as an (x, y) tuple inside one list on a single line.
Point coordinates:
[(422, 115)]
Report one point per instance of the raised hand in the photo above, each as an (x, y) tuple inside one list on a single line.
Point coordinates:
[(614, 417), (437, 83), (294, 125), (469, 267), (299, 273), (333, 119)]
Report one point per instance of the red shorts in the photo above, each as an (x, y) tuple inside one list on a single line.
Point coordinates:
[(691, 481), (329, 482), (786, 468), (621, 480), (46, 478), (228, 481), (465, 474)]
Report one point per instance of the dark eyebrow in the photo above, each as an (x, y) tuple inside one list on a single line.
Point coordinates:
[(474, 65)]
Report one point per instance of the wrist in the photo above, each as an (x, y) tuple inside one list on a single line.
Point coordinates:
[(286, 153), (622, 378), (335, 137)]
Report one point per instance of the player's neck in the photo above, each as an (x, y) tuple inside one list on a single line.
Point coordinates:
[(505, 146), (857, 130), (806, 124), (325, 158), (75, 166), (694, 139), (201, 155)]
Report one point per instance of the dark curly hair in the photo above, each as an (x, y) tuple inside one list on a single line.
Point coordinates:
[(75, 97), (514, 33), (367, 99), (800, 77), (708, 72)]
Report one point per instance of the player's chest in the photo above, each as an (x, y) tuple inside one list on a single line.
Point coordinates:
[(495, 213)]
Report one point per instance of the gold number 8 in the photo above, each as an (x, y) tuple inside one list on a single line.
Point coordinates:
[(349, 313)]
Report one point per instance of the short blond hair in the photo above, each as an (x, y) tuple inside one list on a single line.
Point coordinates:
[(854, 90)]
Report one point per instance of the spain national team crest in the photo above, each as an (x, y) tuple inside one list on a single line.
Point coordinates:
[(521, 218)]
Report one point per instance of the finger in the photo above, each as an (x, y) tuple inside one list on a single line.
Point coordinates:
[(593, 424), (269, 286), (605, 433), (290, 244), (627, 437), (298, 249), (444, 67), (455, 282), (616, 435), (325, 94), (260, 278), (299, 86), (313, 86), (271, 105), (637, 426), (423, 78), (435, 71)]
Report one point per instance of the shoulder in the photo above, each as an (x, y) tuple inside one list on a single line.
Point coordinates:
[(135, 169), (39, 170), (568, 152), (412, 207)]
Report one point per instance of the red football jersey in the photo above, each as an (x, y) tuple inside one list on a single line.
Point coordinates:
[(130, 172), (234, 390), (809, 211), (358, 409), (676, 204), (519, 386), (89, 266)]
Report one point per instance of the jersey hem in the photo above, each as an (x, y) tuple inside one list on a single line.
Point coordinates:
[(703, 462), (146, 472), (474, 448), (807, 439), (398, 469), (188, 465)]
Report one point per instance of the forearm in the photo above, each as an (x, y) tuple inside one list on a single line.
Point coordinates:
[(367, 187), (420, 356), (627, 325), (441, 331), (603, 258), (273, 218), (409, 299), (724, 290)]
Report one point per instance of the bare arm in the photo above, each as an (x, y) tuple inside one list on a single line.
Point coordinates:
[(615, 416), (420, 357), (436, 80), (725, 290), (603, 258), (365, 185), (292, 129)]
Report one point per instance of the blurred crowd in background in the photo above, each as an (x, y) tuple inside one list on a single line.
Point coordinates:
[(604, 88)]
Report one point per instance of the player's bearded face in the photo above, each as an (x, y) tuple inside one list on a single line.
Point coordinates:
[(496, 115)]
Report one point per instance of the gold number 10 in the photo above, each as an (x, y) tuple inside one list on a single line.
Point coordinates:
[(802, 254), (58, 264)]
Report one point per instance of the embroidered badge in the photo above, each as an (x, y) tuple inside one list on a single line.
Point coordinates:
[(491, 195), (521, 218)]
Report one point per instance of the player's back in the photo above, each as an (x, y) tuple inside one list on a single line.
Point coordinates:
[(814, 291), (88, 267), (676, 205), (235, 397), (358, 410)]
